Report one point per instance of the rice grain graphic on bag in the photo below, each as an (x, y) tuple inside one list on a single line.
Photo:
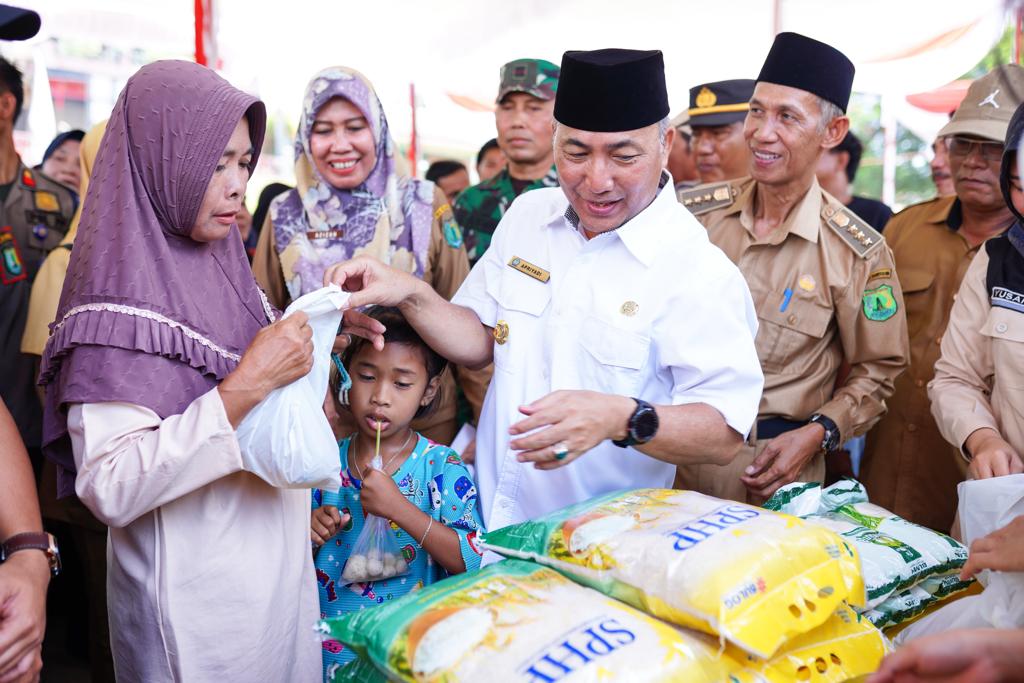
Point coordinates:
[(754, 577)]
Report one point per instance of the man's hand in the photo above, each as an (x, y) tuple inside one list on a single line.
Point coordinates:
[(380, 496), (372, 282), (1002, 551), (578, 419), (23, 582), (468, 453), (972, 656), (324, 523), (782, 460), (991, 455)]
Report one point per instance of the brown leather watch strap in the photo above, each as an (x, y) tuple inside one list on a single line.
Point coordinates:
[(32, 540)]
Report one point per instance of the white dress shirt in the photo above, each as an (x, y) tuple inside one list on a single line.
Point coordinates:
[(652, 310)]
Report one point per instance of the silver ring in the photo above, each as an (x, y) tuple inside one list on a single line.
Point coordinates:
[(561, 450)]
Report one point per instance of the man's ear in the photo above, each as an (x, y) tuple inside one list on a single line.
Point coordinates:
[(670, 138), (7, 105), (433, 386), (835, 132)]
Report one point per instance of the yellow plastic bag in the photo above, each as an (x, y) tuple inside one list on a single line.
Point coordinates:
[(844, 647), (755, 577)]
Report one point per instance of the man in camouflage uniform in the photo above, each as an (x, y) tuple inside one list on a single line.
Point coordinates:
[(526, 98)]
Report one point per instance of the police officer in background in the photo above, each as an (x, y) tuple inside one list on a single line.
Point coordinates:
[(35, 212), (823, 280), (526, 98), (908, 467), (717, 111)]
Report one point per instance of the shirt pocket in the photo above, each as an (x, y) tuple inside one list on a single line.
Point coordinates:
[(783, 337), (917, 294), (1005, 329), (614, 359), (521, 304)]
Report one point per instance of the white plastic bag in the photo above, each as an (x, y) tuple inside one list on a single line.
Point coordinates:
[(985, 506), (286, 439)]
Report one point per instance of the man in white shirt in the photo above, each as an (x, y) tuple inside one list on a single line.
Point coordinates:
[(623, 341)]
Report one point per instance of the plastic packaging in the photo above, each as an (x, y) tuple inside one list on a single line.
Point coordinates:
[(286, 439), (754, 577), (375, 554), (519, 621), (895, 554)]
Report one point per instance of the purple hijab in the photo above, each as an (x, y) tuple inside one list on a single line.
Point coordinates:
[(147, 315), (387, 198)]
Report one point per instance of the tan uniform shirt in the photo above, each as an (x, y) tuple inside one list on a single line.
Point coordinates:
[(979, 378), (804, 336), (908, 467), (445, 269)]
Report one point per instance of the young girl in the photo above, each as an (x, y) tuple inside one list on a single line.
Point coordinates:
[(425, 490)]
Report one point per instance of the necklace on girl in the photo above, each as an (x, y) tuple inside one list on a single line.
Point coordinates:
[(384, 467)]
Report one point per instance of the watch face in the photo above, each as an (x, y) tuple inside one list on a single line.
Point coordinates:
[(645, 424)]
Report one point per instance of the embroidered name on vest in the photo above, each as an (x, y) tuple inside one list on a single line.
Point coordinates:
[(533, 271), (1007, 298), (332, 234)]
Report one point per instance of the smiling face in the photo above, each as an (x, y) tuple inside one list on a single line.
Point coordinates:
[(610, 177), (224, 194), (721, 152), (784, 134), (64, 165), (524, 127), (388, 387), (342, 145)]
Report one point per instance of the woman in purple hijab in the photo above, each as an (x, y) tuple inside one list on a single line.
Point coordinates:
[(351, 198), (162, 344)]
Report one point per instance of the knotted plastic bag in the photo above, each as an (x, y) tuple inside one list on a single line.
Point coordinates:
[(286, 439)]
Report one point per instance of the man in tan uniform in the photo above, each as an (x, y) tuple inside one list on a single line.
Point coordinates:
[(822, 280), (908, 467)]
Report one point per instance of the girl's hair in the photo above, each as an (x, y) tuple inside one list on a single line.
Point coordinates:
[(399, 331)]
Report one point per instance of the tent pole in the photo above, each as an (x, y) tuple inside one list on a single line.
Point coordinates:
[(413, 152), (200, 20)]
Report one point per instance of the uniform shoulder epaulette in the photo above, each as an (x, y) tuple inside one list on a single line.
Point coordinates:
[(704, 198), (853, 230)]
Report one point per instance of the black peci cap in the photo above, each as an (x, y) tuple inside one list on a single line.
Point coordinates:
[(611, 90), (808, 64), (17, 23)]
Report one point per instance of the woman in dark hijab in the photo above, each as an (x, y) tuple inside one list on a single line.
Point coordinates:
[(162, 344)]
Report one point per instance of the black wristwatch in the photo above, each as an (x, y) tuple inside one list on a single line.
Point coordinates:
[(642, 425), (33, 541), (831, 440)]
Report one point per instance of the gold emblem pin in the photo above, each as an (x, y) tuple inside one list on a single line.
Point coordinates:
[(630, 308), (806, 283), (524, 266), (501, 332)]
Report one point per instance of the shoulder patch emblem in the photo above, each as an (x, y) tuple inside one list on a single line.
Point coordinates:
[(452, 233), (879, 303), (857, 234), (704, 198)]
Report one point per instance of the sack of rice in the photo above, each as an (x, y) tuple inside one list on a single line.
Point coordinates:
[(751, 576), (519, 620)]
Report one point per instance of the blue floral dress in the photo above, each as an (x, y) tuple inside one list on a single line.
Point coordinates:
[(433, 479)]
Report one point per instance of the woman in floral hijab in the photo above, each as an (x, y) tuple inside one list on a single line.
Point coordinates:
[(350, 199)]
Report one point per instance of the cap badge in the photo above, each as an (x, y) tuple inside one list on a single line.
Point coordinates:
[(991, 99), (630, 308), (705, 98)]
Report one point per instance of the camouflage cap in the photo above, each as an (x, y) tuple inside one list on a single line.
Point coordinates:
[(537, 77)]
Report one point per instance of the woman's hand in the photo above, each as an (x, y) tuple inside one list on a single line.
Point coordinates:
[(1001, 551), (279, 354)]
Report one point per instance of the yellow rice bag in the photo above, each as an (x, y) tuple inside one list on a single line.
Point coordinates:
[(754, 577), (844, 647), (519, 621)]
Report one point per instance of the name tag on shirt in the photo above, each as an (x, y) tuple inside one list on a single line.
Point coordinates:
[(324, 234), (533, 271)]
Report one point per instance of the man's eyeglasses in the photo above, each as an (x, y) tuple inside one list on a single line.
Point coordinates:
[(962, 148)]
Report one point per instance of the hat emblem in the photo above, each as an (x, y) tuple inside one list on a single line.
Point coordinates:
[(705, 98), (991, 99)]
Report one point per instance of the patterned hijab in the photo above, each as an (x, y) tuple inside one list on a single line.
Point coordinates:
[(149, 316), (317, 225)]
